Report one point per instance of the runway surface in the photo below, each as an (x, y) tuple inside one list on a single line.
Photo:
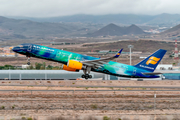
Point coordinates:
[(94, 86), (80, 90)]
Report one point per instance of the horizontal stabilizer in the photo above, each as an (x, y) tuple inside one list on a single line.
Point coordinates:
[(153, 73)]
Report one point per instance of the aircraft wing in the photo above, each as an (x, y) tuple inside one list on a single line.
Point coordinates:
[(99, 62)]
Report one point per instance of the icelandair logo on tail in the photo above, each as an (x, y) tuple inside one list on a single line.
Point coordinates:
[(152, 60)]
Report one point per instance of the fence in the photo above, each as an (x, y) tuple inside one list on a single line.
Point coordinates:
[(42, 75)]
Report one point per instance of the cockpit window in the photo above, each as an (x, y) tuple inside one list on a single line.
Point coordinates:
[(20, 46)]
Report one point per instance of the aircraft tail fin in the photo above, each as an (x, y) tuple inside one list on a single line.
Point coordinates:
[(151, 62)]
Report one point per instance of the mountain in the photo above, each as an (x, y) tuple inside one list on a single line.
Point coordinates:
[(133, 29), (26, 29), (173, 32), (111, 29), (114, 30), (165, 19), (161, 19)]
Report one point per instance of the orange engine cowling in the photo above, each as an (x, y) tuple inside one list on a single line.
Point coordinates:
[(75, 64), (65, 67)]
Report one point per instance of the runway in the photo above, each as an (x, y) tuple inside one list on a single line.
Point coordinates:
[(80, 90), (116, 85), (91, 86)]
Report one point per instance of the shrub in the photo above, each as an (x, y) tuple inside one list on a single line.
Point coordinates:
[(29, 118), (57, 118), (2, 107), (23, 118), (48, 81), (106, 118), (13, 107), (94, 106)]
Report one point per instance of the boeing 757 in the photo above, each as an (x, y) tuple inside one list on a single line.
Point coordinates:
[(75, 62)]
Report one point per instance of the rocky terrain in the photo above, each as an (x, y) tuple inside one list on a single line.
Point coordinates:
[(27, 99)]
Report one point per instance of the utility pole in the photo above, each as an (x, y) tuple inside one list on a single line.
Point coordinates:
[(130, 46), (176, 51)]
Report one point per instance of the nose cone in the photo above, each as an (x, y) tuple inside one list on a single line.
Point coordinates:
[(15, 49)]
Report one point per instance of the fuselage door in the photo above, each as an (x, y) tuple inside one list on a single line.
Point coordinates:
[(134, 72), (29, 48)]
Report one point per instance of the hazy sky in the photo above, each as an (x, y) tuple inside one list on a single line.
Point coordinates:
[(50, 8)]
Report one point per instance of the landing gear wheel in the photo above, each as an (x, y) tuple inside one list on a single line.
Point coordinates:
[(86, 77), (90, 76), (28, 63), (86, 71), (83, 76)]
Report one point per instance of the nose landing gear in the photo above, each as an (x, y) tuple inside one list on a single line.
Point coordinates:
[(28, 63)]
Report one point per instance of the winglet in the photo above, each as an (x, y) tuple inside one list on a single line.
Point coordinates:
[(118, 54)]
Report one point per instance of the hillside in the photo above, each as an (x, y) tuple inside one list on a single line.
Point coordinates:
[(114, 30), (173, 32), (164, 18), (25, 29), (140, 45), (133, 29)]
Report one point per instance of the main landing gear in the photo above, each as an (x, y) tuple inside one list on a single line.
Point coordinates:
[(86, 73), (86, 76)]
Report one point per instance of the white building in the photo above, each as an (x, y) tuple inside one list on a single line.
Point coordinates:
[(164, 67)]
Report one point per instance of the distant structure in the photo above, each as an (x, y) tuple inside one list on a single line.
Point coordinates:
[(176, 51)]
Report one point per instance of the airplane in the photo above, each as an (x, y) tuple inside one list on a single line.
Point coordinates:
[(75, 62)]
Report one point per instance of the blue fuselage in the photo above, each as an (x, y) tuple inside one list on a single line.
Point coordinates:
[(61, 56)]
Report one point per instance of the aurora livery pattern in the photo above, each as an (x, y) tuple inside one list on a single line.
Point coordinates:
[(75, 62)]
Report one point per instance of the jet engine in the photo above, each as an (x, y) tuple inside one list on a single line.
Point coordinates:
[(75, 64), (65, 67)]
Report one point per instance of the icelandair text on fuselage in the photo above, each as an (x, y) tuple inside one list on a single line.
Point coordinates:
[(146, 67)]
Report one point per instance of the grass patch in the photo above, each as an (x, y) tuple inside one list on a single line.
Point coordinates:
[(111, 88), (48, 81), (2, 107), (94, 106), (106, 118), (13, 107)]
